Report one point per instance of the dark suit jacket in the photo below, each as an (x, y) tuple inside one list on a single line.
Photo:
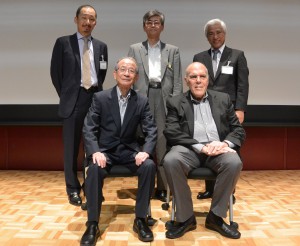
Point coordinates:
[(102, 128), (66, 70), (171, 81), (180, 119), (236, 84)]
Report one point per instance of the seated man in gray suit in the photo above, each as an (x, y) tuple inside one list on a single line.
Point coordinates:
[(110, 138), (203, 130)]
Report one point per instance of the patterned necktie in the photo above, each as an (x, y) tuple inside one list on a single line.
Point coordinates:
[(86, 66), (214, 61)]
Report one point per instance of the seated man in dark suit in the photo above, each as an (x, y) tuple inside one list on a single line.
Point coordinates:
[(110, 138), (202, 129)]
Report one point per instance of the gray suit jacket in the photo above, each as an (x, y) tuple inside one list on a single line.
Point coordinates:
[(102, 128), (180, 120), (236, 84), (170, 69)]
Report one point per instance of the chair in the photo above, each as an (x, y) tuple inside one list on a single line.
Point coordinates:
[(119, 171), (201, 173)]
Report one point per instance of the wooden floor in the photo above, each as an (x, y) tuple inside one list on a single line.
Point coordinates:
[(34, 211)]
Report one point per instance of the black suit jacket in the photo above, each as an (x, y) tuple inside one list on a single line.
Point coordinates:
[(236, 84), (66, 70), (102, 128), (180, 119)]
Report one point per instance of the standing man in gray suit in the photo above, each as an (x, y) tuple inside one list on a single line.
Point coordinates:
[(228, 72), (75, 87), (203, 130), (159, 78)]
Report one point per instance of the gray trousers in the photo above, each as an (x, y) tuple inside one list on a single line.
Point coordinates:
[(179, 161), (158, 111)]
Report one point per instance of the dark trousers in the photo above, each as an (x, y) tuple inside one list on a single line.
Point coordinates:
[(95, 175), (72, 130)]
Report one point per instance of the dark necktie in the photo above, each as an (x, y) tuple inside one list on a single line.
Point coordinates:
[(214, 61)]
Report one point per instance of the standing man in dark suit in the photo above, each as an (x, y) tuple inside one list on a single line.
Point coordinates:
[(228, 72), (202, 128), (159, 78), (78, 69), (109, 133)]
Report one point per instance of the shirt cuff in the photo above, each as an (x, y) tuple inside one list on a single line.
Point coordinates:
[(197, 147)]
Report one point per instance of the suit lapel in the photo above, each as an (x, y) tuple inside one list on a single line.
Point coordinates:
[(208, 63), (130, 110), (144, 56), (96, 55), (164, 59), (189, 112), (214, 109), (75, 48), (224, 60), (113, 105)]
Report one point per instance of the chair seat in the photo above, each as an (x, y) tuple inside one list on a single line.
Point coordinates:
[(202, 173), (120, 171)]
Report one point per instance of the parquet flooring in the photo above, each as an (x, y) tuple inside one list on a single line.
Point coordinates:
[(34, 211)]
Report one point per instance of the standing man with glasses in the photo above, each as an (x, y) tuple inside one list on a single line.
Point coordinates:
[(78, 69), (160, 77), (228, 72)]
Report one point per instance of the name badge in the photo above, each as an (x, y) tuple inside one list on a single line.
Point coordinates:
[(103, 65), (227, 69)]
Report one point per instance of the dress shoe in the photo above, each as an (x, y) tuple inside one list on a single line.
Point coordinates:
[(205, 195), (161, 195), (75, 199), (90, 236), (180, 228), (141, 227), (216, 223)]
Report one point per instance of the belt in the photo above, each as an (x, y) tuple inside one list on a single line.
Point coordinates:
[(91, 89), (154, 85)]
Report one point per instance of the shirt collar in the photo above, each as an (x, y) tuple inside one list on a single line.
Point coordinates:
[(79, 36), (120, 97), (204, 99), (157, 45), (220, 49)]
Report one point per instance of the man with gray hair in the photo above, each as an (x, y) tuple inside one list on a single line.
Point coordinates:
[(109, 135), (228, 72)]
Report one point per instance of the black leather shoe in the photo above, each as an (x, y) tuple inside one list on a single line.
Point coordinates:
[(141, 227), (180, 228), (221, 227), (75, 199), (161, 195), (90, 235), (205, 195)]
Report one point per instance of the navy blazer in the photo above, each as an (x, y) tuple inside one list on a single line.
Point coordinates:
[(65, 70), (236, 84), (180, 119), (102, 128)]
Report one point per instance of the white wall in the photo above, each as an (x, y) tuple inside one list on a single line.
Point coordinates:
[(267, 30)]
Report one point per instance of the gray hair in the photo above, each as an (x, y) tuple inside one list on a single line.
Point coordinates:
[(213, 22), (152, 13), (129, 58)]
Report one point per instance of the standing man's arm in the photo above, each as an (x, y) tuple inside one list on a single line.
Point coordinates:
[(177, 87), (56, 65), (242, 87)]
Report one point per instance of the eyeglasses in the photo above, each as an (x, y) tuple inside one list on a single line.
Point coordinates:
[(85, 19), (123, 70), (195, 77), (151, 23)]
